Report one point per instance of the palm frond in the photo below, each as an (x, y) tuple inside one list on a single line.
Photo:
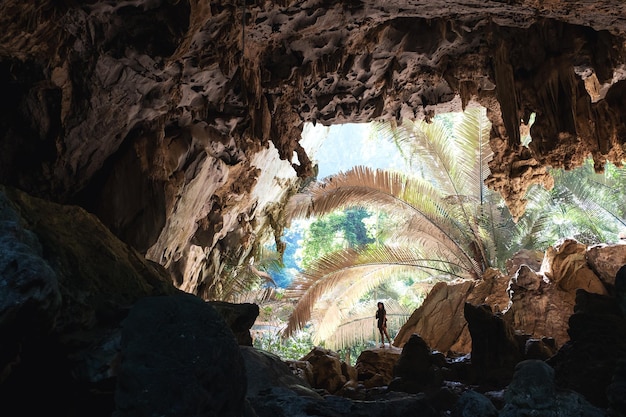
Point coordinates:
[(358, 187), (414, 198), (359, 323), (339, 267)]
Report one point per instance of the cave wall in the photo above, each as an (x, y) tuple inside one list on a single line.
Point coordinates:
[(178, 122)]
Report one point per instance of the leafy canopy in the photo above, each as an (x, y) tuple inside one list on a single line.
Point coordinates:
[(444, 219)]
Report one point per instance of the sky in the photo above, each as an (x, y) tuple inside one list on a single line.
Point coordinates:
[(338, 148)]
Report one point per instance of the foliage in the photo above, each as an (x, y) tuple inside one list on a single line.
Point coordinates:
[(333, 232), (293, 348), (438, 223), (445, 219), (582, 205)]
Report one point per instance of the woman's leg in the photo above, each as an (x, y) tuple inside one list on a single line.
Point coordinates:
[(388, 338)]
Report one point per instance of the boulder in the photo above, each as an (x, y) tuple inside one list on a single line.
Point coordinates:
[(532, 391), (265, 371), (417, 369), (375, 366), (178, 358), (542, 302), (588, 361), (326, 369), (439, 320), (239, 317), (495, 348), (474, 404), (66, 283), (605, 260)]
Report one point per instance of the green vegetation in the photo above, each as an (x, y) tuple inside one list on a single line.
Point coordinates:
[(387, 235)]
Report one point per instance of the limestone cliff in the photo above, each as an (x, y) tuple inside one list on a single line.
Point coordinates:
[(178, 122)]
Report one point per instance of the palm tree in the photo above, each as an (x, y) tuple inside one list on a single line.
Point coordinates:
[(582, 204), (446, 222)]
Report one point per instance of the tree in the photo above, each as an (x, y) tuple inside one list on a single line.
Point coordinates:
[(333, 232), (446, 222)]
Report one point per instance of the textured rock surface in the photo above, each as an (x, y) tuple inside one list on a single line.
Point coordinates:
[(326, 369), (177, 122), (535, 302), (533, 392), (440, 321), (239, 318), (65, 285), (588, 362), (606, 260), (178, 357), (375, 366)]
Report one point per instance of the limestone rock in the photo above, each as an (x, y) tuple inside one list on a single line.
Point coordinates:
[(606, 260), (533, 391), (495, 348), (530, 258), (66, 285), (542, 302), (417, 369), (474, 404), (375, 366), (597, 344), (178, 122), (265, 371), (239, 317), (326, 369), (178, 357), (439, 320)]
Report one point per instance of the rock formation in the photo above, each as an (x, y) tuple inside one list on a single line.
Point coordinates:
[(536, 303), (178, 122)]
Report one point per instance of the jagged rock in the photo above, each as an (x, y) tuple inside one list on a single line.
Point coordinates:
[(303, 369), (67, 282), (531, 258), (178, 357), (265, 371), (30, 298), (375, 366), (180, 128), (239, 317), (542, 302), (565, 264), (533, 392), (597, 344), (606, 260), (535, 301), (541, 349), (326, 369), (474, 404), (439, 319), (417, 369), (495, 348)]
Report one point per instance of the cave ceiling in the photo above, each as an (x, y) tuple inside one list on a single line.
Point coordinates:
[(178, 122)]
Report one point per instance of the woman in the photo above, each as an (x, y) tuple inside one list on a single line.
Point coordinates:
[(381, 316)]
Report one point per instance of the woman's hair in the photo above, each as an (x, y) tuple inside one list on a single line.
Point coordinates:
[(381, 304)]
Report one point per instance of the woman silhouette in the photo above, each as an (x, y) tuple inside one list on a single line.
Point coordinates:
[(381, 316)]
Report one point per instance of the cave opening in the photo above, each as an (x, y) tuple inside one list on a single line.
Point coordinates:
[(559, 213)]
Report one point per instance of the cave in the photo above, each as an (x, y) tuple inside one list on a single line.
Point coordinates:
[(148, 146)]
